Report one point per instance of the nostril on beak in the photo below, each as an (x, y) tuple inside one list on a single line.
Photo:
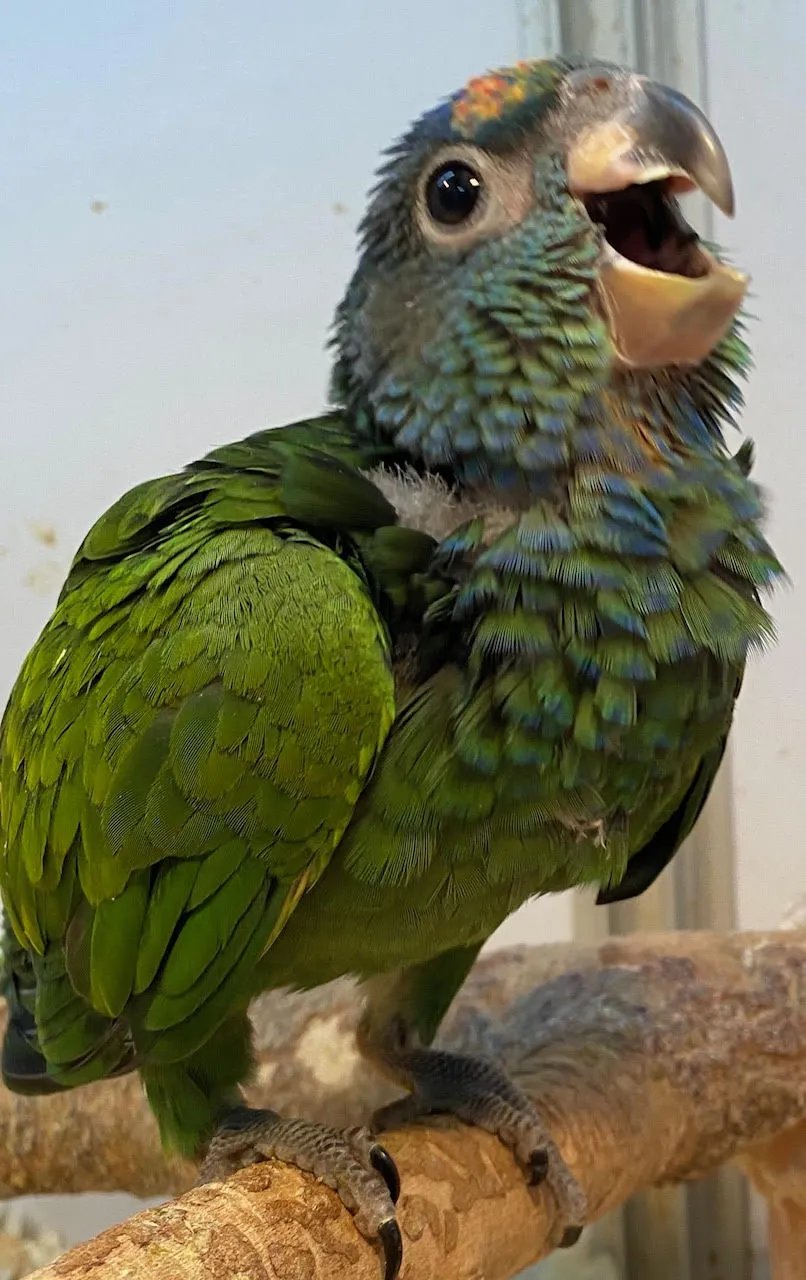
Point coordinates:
[(591, 82), (600, 85)]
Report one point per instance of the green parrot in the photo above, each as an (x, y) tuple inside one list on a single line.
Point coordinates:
[(338, 698)]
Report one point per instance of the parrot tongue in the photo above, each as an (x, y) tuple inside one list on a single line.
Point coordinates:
[(637, 147)]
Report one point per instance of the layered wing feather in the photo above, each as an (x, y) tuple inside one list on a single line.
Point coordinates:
[(187, 740)]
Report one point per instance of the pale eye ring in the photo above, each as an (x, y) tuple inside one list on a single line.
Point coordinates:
[(453, 192)]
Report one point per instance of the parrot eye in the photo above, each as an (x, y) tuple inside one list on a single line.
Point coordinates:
[(452, 193), (466, 195)]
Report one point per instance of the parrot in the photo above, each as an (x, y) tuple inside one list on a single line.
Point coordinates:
[(337, 698)]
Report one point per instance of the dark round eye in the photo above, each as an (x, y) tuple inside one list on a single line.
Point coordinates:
[(453, 193)]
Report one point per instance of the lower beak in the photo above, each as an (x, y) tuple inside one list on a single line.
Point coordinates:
[(658, 319)]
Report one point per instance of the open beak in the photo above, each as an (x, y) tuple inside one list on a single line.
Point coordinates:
[(639, 145)]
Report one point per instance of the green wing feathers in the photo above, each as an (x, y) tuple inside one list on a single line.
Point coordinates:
[(186, 743)]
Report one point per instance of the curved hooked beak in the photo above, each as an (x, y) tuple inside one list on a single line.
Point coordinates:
[(637, 146)]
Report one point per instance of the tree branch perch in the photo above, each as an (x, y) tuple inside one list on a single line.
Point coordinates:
[(654, 1058)]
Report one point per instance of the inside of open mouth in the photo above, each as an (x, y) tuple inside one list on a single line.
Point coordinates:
[(644, 223)]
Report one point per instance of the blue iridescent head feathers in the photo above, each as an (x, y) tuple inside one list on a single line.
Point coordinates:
[(482, 348)]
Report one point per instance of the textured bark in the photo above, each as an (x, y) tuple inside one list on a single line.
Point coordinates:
[(778, 1170), (655, 1059)]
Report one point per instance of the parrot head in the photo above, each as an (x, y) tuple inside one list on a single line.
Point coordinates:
[(528, 289)]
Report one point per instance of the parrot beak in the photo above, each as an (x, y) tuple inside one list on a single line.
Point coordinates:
[(640, 145)]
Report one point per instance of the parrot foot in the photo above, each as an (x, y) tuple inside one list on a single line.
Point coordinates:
[(480, 1093), (352, 1162)]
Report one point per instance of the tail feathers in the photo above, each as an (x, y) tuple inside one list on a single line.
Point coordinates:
[(22, 1065), (24, 1069), (53, 1039)]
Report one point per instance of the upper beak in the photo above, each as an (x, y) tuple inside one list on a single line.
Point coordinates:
[(627, 131), (645, 131)]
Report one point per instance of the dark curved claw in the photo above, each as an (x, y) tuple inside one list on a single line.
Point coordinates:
[(383, 1164), (392, 1244), (570, 1237), (538, 1167)]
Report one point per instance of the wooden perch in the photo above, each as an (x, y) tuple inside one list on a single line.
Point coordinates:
[(655, 1059)]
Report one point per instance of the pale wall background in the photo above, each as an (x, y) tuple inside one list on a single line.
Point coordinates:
[(180, 190)]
